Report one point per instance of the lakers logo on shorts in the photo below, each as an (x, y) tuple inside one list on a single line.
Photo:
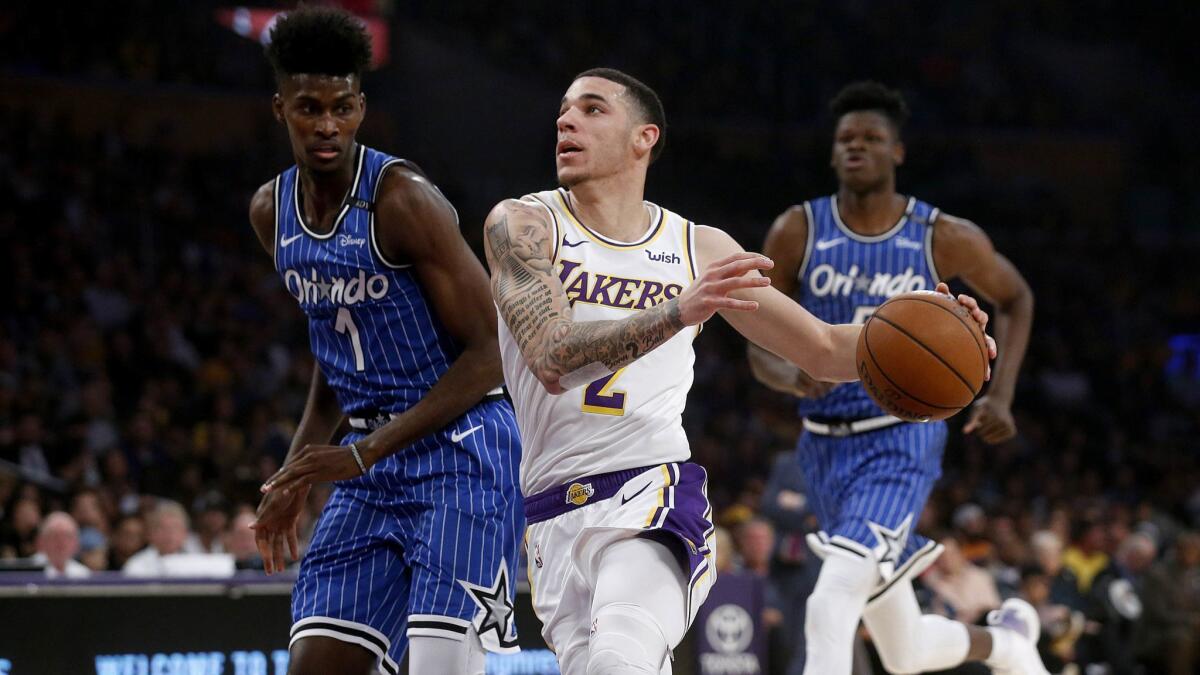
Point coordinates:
[(579, 493)]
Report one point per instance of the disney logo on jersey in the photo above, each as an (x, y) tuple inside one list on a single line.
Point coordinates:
[(351, 240), (594, 288), (904, 242), (663, 257), (315, 289), (826, 280)]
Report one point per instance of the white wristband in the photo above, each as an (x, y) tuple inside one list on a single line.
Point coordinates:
[(358, 458)]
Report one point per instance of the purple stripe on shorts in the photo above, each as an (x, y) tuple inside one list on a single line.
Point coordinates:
[(579, 492)]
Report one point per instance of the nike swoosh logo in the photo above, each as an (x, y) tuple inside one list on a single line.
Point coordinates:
[(626, 500), (570, 245), (457, 436), (830, 243), (286, 241)]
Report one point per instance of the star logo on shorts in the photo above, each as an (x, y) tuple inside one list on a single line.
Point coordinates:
[(891, 542), (495, 608)]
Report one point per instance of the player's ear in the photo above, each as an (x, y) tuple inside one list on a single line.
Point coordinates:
[(898, 153), (645, 137), (277, 107), (362, 102)]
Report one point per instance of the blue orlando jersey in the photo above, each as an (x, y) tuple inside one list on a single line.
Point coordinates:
[(844, 276), (377, 340)]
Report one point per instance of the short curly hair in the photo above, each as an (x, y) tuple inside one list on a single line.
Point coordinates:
[(318, 40), (870, 96)]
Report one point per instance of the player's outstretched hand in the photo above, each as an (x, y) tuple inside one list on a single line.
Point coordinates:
[(276, 524), (993, 420), (710, 293), (313, 464), (981, 318)]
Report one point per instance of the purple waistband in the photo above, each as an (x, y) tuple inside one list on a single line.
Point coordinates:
[(579, 492)]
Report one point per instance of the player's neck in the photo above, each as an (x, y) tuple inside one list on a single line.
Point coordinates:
[(612, 206), (324, 192), (872, 212)]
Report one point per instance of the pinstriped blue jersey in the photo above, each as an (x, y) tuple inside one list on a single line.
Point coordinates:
[(844, 276), (371, 328)]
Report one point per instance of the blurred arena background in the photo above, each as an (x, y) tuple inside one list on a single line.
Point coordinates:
[(148, 352)]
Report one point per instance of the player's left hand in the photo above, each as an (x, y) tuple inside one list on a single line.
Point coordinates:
[(981, 318), (992, 419), (313, 464)]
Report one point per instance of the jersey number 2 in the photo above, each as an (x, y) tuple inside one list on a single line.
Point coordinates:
[(600, 399), (345, 324)]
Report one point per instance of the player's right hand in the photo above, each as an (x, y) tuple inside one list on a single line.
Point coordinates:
[(276, 524), (710, 293)]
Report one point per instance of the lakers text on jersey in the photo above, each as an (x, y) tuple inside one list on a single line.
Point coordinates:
[(632, 417)]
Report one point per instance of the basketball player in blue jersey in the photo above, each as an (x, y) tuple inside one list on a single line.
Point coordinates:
[(601, 294), (869, 474), (418, 538)]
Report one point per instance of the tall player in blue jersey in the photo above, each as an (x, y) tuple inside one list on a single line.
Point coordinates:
[(418, 538), (869, 474)]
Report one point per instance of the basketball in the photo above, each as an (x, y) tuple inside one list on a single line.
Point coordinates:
[(922, 357)]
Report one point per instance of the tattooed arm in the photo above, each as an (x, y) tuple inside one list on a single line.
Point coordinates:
[(563, 353)]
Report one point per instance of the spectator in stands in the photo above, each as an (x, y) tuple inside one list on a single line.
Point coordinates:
[(756, 542), (19, 539), (970, 527), (212, 521), (1086, 556), (167, 531), (1048, 553), (239, 541), (1168, 636), (962, 590), (57, 546), (1114, 607), (129, 537)]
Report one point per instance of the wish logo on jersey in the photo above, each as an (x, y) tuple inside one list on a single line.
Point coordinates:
[(315, 289), (603, 289), (826, 280)]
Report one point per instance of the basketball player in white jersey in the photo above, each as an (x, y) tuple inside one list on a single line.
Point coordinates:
[(600, 295)]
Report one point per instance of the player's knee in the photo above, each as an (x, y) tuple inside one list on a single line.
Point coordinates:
[(315, 655), (627, 639)]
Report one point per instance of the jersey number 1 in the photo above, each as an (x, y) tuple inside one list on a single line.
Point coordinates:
[(344, 324)]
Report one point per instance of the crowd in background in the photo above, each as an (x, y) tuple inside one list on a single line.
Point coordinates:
[(152, 368)]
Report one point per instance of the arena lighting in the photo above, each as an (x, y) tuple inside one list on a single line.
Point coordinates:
[(255, 24)]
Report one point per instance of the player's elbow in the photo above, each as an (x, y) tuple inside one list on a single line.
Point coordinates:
[(550, 382)]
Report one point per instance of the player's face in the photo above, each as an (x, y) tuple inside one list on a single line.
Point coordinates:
[(597, 133), (866, 150), (322, 114)]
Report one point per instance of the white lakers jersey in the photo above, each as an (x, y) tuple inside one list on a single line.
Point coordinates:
[(633, 417)]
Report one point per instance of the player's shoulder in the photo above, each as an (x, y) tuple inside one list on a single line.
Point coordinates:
[(262, 215), (262, 204), (405, 193), (793, 219), (954, 231), (526, 208)]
